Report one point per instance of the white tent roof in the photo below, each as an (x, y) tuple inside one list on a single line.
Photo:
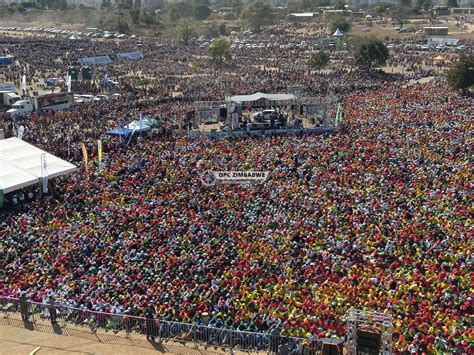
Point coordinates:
[(20, 165), (135, 126), (338, 33), (302, 14), (259, 95)]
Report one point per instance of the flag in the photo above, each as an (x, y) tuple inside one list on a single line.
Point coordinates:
[(44, 172), (23, 81), (141, 121), (69, 83), (21, 131), (106, 78), (84, 154), (99, 150), (339, 114)]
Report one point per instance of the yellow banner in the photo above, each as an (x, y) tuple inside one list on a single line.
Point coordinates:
[(99, 150), (84, 154)]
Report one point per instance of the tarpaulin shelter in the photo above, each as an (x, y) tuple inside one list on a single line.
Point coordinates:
[(20, 165)]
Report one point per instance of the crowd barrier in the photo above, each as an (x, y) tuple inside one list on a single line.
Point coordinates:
[(157, 330), (263, 132)]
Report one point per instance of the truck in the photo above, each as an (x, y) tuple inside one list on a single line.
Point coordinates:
[(7, 99), (55, 102)]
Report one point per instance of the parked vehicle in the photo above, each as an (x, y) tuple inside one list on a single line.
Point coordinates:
[(21, 107), (56, 102), (7, 99)]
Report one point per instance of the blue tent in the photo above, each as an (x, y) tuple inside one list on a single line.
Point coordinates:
[(119, 131)]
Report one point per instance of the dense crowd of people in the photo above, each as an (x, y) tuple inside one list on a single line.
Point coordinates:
[(374, 216)]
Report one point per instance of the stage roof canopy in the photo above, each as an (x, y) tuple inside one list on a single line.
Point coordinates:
[(20, 165), (259, 95)]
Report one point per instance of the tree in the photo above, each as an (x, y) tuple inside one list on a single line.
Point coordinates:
[(222, 29), (369, 52), (319, 60), (219, 49), (400, 15), (257, 14), (185, 30), (341, 23), (201, 12), (461, 74), (340, 5), (210, 30), (122, 24), (453, 3), (148, 17), (135, 15), (405, 3), (106, 4)]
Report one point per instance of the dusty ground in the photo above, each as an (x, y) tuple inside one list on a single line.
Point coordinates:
[(15, 341), (19, 338)]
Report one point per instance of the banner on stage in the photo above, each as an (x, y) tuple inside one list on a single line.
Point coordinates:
[(44, 172), (84, 155), (130, 56), (102, 60)]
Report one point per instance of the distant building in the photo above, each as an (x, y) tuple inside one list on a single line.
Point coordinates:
[(436, 31), (463, 10), (302, 16)]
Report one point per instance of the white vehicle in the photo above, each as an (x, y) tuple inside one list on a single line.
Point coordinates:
[(59, 101), (88, 98), (55, 102), (21, 107), (265, 114), (8, 98)]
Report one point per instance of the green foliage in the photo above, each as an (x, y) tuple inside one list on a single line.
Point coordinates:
[(461, 75), (405, 3), (400, 14), (124, 4), (201, 12), (106, 4), (122, 25), (340, 5), (257, 14), (319, 60), (341, 23), (135, 15), (380, 9), (222, 29), (219, 49), (369, 52), (149, 17), (210, 30), (198, 9), (186, 30), (453, 3)]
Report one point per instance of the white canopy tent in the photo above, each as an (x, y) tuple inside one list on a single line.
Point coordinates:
[(338, 33), (135, 126), (259, 96), (20, 165)]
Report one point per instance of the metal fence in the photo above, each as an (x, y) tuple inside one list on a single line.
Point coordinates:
[(158, 330)]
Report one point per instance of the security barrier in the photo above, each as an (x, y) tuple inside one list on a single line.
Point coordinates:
[(158, 330)]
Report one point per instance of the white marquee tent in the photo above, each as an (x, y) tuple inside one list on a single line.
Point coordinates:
[(259, 96), (338, 33), (20, 165)]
